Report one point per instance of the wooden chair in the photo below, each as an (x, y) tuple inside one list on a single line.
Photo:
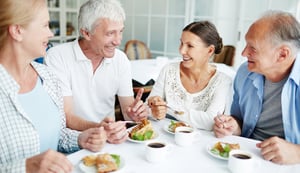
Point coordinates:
[(147, 88), (136, 49), (226, 56)]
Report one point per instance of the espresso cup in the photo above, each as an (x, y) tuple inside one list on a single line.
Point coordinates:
[(185, 136), (240, 160), (156, 151)]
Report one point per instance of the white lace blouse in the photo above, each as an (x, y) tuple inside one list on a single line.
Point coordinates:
[(199, 108)]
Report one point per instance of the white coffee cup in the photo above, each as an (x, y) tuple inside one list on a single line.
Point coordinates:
[(157, 151), (185, 136), (240, 161)]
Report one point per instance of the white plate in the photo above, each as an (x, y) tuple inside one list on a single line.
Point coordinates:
[(209, 147), (145, 141), (166, 128), (92, 169)]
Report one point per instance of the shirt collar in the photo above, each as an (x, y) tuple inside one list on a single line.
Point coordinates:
[(8, 83), (295, 73)]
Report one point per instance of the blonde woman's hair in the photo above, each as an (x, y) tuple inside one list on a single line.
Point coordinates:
[(16, 12)]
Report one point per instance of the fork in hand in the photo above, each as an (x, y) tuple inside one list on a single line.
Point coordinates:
[(175, 111)]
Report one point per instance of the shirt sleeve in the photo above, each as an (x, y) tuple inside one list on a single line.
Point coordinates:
[(159, 86), (68, 141), (54, 59), (125, 76), (235, 107), (205, 119), (12, 167)]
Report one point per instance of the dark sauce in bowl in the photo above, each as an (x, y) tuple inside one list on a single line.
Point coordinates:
[(156, 145), (185, 131), (241, 156)]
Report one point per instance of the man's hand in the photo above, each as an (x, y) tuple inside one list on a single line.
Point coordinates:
[(48, 162), (280, 151), (92, 139), (158, 107), (226, 125), (138, 110), (116, 131)]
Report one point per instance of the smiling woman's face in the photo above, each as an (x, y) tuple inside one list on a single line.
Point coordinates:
[(193, 50), (36, 34)]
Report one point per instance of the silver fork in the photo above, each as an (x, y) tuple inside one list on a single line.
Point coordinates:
[(219, 118), (131, 122), (175, 111)]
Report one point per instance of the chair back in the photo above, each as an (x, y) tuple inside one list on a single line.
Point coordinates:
[(136, 49), (226, 56)]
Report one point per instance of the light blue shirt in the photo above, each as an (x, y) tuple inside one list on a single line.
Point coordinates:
[(44, 115), (248, 98)]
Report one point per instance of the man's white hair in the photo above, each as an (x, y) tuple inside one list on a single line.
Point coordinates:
[(93, 10)]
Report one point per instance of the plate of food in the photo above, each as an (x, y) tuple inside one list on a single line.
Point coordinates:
[(143, 132), (221, 150), (170, 127), (103, 162)]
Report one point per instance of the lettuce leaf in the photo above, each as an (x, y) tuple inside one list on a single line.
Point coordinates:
[(143, 137), (172, 126), (117, 159), (224, 153), (148, 135)]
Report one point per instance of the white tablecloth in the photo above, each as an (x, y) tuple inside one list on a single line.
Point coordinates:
[(192, 159), (147, 69)]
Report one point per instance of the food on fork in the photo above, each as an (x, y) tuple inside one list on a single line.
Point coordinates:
[(175, 111), (223, 148), (142, 131), (175, 124), (104, 163)]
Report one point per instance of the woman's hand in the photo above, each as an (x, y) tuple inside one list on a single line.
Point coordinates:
[(49, 161), (158, 107)]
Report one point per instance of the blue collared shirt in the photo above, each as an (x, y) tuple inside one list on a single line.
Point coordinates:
[(248, 99)]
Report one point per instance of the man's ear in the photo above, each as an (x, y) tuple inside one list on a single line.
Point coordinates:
[(86, 34), (16, 32), (284, 53)]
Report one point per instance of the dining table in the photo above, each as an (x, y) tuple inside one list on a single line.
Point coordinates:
[(190, 159)]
